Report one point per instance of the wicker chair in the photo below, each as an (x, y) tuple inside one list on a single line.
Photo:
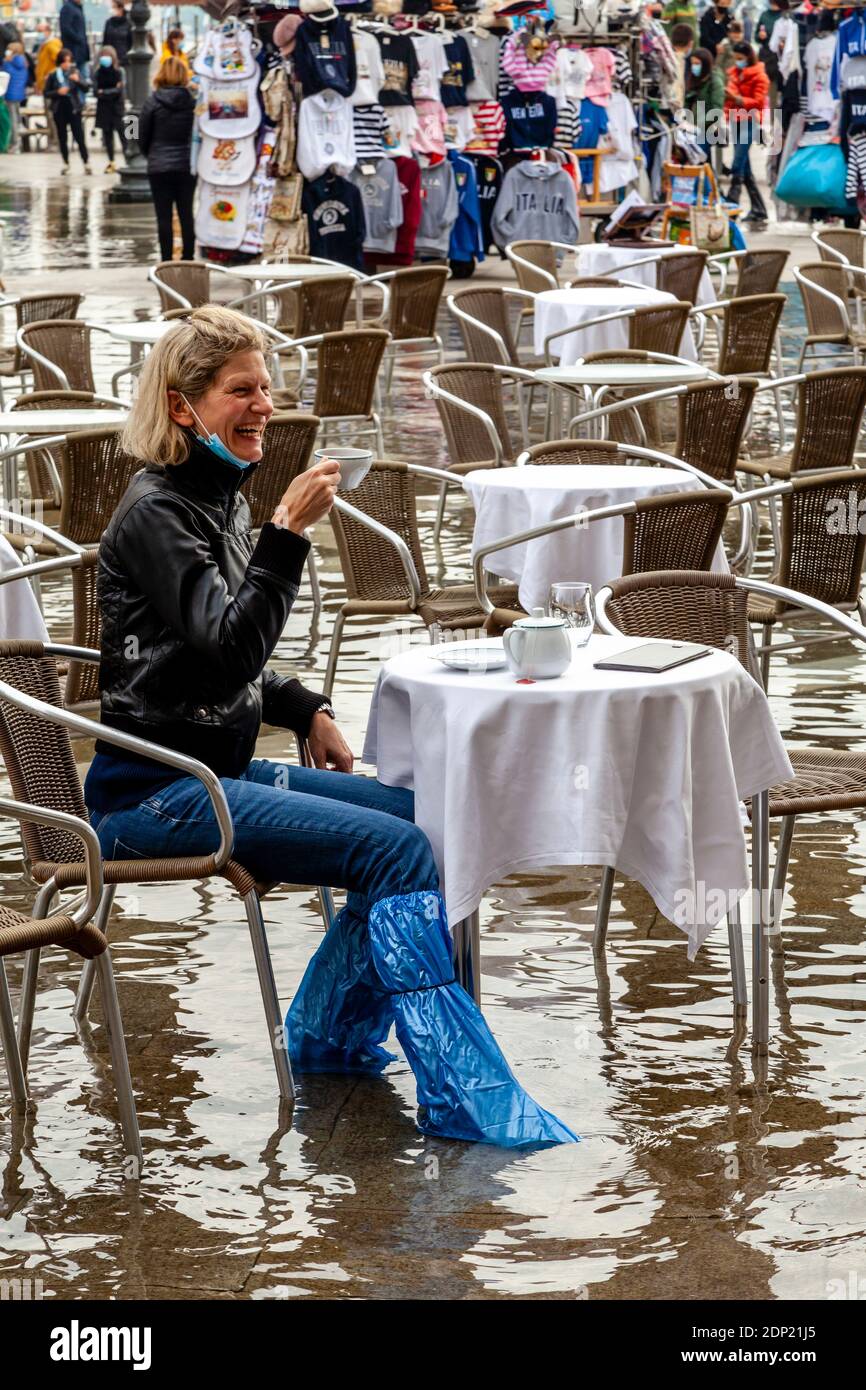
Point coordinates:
[(482, 316), (347, 379), (758, 272), (59, 350), (748, 335), (35, 743), (385, 574), (830, 407), (653, 328), (535, 264), (820, 551), (712, 609), (287, 445), (825, 287), (305, 307), (31, 308), (71, 930), (412, 311), (44, 467), (680, 275), (181, 284), (95, 473)]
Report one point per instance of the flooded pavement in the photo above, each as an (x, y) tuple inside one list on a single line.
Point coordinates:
[(695, 1178)]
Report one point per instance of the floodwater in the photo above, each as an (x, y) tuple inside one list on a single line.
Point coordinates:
[(695, 1178)]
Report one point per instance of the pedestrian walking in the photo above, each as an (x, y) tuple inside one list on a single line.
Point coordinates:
[(15, 65), (109, 85), (73, 32), (117, 33), (65, 89), (746, 101), (165, 138)]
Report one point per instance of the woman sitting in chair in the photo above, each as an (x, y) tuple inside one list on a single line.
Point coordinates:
[(192, 610)]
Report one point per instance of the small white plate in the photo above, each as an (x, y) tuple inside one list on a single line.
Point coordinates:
[(471, 656)]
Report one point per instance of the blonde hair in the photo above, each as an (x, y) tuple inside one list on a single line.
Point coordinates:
[(188, 359), (173, 73)]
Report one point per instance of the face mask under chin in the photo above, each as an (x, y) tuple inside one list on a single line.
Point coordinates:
[(214, 443)]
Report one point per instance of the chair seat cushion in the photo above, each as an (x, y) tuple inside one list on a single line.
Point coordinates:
[(774, 465), (825, 779)]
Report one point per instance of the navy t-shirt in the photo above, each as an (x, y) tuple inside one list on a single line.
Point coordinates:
[(530, 120), (335, 213), (461, 71)]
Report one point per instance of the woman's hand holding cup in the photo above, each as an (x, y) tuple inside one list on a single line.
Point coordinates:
[(309, 497)]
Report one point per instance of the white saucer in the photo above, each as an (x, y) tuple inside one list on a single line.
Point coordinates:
[(479, 655)]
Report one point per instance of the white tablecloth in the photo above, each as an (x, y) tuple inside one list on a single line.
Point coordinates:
[(19, 611), (557, 309), (644, 773), (517, 499), (601, 259)]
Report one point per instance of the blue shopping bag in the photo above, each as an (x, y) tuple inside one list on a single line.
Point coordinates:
[(815, 178)]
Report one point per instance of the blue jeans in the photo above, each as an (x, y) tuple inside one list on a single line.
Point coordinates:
[(292, 825), (741, 166)]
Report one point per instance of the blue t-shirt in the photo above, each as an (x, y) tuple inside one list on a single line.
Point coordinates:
[(593, 124)]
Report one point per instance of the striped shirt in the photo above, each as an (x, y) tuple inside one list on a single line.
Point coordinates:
[(526, 75), (369, 125), (568, 127), (489, 129)]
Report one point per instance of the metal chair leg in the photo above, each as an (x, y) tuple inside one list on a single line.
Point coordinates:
[(88, 974), (760, 972), (119, 1058), (315, 586), (14, 1068), (270, 999), (27, 1004), (326, 906), (466, 936), (766, 638), (738, 963), (440, 512), (333, 653), (780, 873), (602, 912)]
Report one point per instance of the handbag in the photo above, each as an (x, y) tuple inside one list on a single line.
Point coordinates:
[(814, 177), (710, 229)]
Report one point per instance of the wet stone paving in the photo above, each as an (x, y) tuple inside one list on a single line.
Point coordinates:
[(697, 1177)]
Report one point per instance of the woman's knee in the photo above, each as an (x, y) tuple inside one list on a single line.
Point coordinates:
[(409, 866)]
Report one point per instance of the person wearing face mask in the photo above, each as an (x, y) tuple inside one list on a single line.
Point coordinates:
[(109, 103), (705, 93), (714, 26), (746, 102), (179, 567), (65, 90)]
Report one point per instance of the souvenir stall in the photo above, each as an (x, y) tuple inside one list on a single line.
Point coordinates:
[(388, 132)]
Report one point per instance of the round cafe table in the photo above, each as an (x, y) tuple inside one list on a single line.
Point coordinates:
[(508, 500), (603, 259), (26, 423), (263, 271), (559, 309), (642, 773), (140, 333), (599, 378)]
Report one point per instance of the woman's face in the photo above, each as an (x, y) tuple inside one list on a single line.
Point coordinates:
[(236, 407)]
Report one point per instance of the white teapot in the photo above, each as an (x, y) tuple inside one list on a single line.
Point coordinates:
[(538, 647)]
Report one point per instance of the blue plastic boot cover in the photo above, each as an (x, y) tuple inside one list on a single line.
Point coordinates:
[(340, 1013), (465, 1086)]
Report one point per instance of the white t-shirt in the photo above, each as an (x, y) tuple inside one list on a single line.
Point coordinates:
[(221, 219), (819, 61), (621, 168), (326, 135), (459, 127), (432, 66), (573, 70), (371, 74)]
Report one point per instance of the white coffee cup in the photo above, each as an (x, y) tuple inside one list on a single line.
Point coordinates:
[(354, 464), (537, 647)]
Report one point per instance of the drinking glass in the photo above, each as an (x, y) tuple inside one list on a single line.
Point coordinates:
[(572, 600)]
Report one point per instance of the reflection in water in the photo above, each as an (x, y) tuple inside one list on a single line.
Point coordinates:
[(696, 1177)]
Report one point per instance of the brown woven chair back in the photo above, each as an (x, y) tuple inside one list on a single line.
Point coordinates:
[(674, 530), (65, 342), (540, 253), (603, 282), (315, 306), (288, 444), (680, 275), (169, 314), (38, 756), (830, 408), (846, 240), (711, 421), (416, 294), (659, 329), (822, 316), (749, 332), (82, 678), (371, 566), (685, 606), (189, 278), (32, 308), (489, 305), (96, 474), (574, 451), (42, 483), (348, 366), (477, 384), (821, 550), (759, 273)]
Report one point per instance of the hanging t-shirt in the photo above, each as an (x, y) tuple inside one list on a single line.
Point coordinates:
[(600, 83), (326, 138), (325, 57), (489, 127), (429, 138), (439, 206), (383, 206), (401, 68), (221, 219), (369, 71), (593, 124), (570, 75), (528, 76), (409, 175), (488, 177), (335, 213), (568, 126), (530, 120), (401, 128), (465, 241), (621, 168), (484, 52), (432, 66), (459, 74), (819, 63), (369, 126), (459, 126)]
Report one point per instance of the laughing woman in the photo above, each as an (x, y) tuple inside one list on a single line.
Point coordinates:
[(179, 570)]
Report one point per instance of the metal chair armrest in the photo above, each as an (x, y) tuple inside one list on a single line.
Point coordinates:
[(40, 815), (388, 535), (52, 367), (180, 300), (434, 390)]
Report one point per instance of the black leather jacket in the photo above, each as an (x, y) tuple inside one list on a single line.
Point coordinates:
[(191, 612)]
